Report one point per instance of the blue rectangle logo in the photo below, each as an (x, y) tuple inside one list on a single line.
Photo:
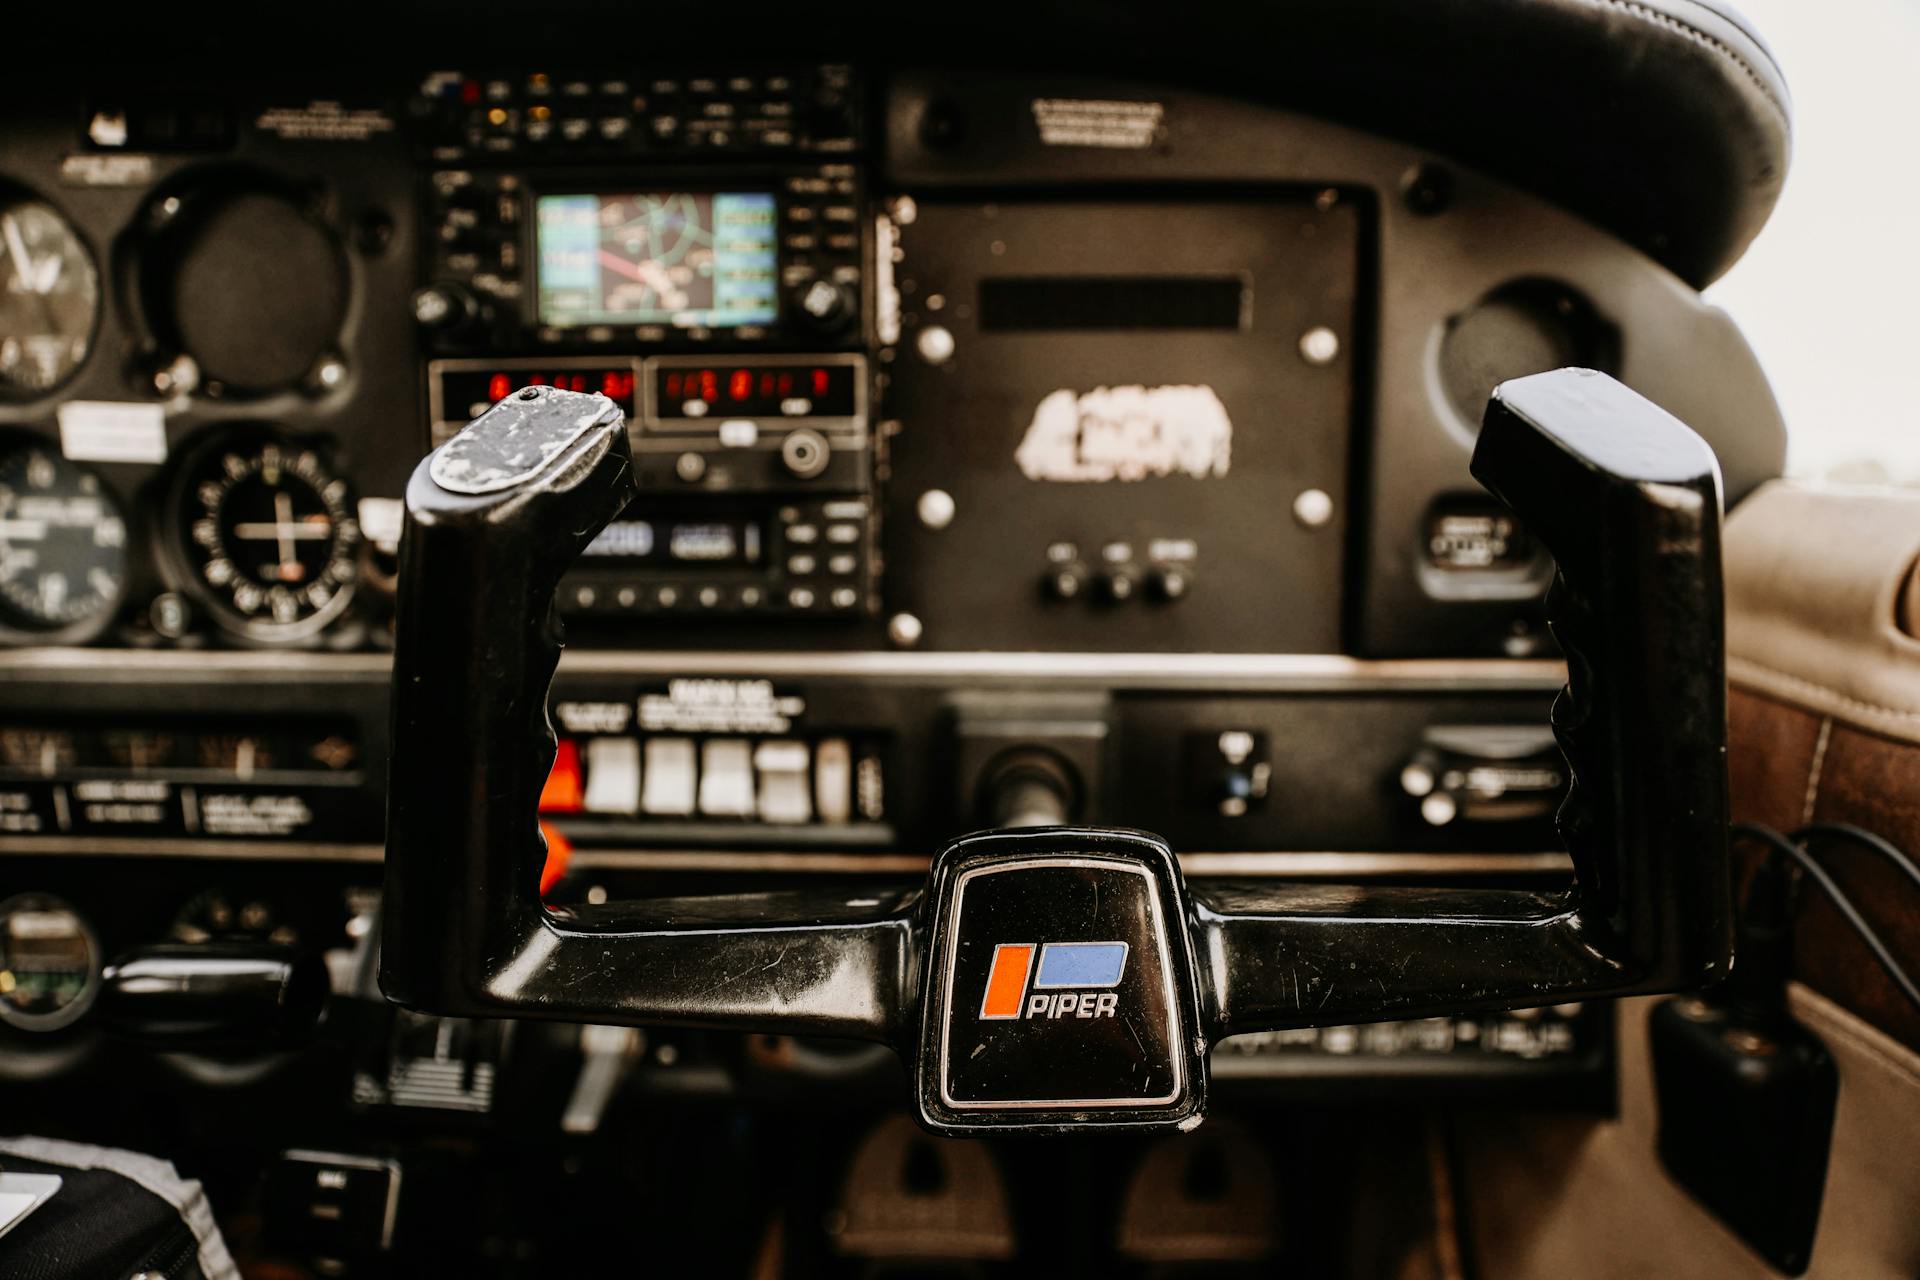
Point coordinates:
[(1080, 965)]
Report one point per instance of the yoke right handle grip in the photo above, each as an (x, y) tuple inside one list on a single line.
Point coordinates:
[(1628, 501)]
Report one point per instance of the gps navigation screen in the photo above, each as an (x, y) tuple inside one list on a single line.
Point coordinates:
[(685, 259)]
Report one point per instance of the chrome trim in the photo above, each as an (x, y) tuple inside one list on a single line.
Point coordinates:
[(744, 860), (1304, 864), (175, 847), (1262, 672), (1366, 865)]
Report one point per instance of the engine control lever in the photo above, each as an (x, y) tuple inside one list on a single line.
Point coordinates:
[(1056, 978), (239, 995)]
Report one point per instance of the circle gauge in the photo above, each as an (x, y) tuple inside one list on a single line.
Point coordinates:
[(63, 546), (49, 298), (49, 963), (267, 536)]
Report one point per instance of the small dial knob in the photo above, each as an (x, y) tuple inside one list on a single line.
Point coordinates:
[(824, 305), (1065, 581), (445, 309), (805, 453), (1170, 583)]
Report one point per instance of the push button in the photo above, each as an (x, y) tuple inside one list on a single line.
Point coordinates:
[(726, 778), (668, 775), (784, 797), (613, 775)]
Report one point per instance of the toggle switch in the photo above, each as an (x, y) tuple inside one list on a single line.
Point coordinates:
[(1231, 771)]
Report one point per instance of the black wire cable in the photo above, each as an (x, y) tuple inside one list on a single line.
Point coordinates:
[(1892, 852), (1780, 844)]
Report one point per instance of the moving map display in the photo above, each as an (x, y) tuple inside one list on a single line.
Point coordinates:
[(685, 259)]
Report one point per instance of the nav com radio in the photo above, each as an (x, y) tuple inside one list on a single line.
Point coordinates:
[(685, 259), (755, 477), (578, 261)]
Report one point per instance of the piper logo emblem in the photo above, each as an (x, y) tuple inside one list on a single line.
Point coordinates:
[(1067, 981)]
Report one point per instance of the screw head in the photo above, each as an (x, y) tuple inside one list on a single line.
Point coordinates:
[(935, 344), (904, 630), (1427, 189), (1313, 508), (1319, 345), (936, 508)]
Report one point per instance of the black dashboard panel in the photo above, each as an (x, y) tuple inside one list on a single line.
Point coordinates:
[(1120, 455)]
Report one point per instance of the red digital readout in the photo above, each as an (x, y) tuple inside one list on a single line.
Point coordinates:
[(739, 386), (615, 384)]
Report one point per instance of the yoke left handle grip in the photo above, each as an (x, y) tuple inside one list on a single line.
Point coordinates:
[(494, 518)]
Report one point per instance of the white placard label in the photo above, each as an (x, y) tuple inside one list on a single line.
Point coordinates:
[(111, 431), (1096, 122), (1127, 433), (719, 706)]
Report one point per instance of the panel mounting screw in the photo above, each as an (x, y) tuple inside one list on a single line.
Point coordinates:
[(904, 630), (936, 508), (936, 344), (1313, 508), (1319, 345), (330, 373)]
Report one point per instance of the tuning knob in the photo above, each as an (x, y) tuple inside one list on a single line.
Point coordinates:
[(824, 305), (443, 310), (1119, 584)]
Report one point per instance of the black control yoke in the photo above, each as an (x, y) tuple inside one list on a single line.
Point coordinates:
[(1062, 978)]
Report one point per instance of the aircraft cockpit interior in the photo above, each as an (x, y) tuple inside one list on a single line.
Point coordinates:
[(1076, 639)]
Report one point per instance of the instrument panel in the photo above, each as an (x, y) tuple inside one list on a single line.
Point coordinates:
[(1009, 447)]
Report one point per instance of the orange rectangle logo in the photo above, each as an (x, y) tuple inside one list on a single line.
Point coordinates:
[(1007, 980)]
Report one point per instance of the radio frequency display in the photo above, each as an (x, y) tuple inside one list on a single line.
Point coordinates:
[(685, 259)]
